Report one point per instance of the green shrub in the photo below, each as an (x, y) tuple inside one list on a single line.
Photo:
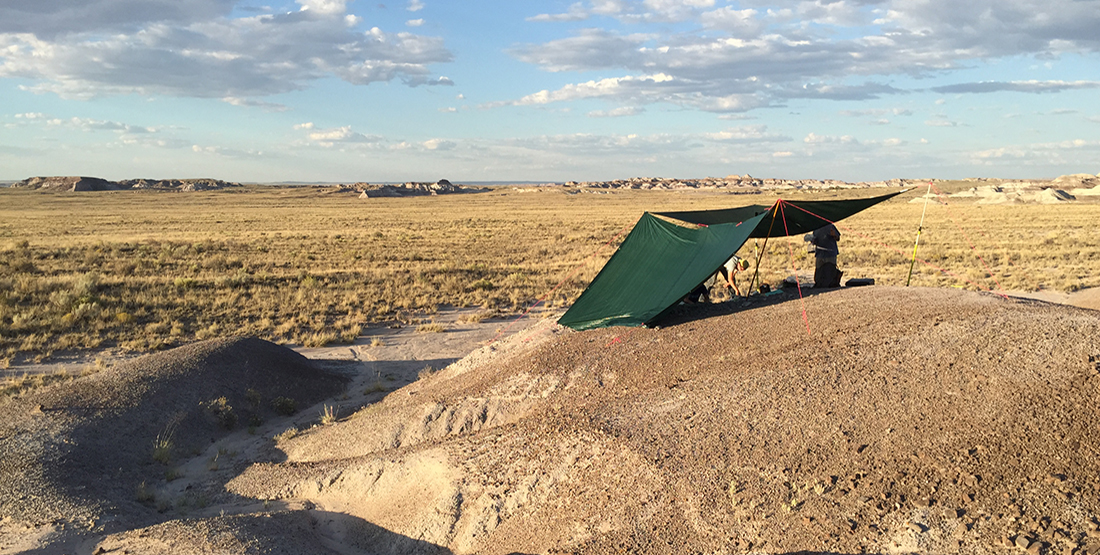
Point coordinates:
[(284, 405), (222, 412)]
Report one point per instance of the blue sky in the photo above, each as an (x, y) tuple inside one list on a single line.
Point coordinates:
[(500, 90)]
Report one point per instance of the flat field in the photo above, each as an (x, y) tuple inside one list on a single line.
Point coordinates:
[(140, 271)]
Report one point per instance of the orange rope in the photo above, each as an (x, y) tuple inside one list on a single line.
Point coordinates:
[(790, 250)]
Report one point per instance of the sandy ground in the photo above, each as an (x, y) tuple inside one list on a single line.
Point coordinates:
[(868, 420), (47, 520), (1085, 298)]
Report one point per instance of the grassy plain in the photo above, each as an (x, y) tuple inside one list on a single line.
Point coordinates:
[(142, 270)]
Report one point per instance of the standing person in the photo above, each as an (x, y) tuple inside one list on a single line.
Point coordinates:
[(826, 273)]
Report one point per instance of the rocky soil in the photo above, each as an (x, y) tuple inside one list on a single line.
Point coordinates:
[(865, 420)]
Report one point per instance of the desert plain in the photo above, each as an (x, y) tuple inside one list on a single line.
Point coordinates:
[(300, 370)]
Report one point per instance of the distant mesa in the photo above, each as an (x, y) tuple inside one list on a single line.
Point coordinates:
[(414, 189), (78, 183), (746, 184), (1062, 189)]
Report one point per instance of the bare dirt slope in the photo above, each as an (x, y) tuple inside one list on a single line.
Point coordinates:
[(909, 420), (889, 420), (82, 454)]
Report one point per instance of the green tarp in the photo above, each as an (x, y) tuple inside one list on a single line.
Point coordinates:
[(660, 262)]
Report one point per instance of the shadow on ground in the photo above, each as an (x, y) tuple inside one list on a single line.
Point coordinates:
[(687, 313)]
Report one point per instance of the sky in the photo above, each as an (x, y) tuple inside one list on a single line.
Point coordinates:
[(548, 91)]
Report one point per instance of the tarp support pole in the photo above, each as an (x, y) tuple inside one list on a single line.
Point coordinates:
[(919, 228), (760, 255)]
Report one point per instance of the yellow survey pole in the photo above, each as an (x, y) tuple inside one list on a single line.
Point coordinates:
[(919, 229)]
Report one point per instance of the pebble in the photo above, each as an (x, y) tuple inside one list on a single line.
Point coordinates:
[(1022, 542)]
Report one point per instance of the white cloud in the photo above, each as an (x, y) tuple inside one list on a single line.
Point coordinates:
[(414, 22), (761, 55), (415, 5), (89, 124), (327, 7), (877, 112), (616, 112), (337, 135), (249, 103), (782, 154), (439, 144), (747, 134), (576, 13), (740, 23), (1073, 153), (448, 110), (643, 89), (815, 139), (228, 152), (195, 49), (941, 123)]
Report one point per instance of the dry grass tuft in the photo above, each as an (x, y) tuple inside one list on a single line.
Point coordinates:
[(162, 445), (287, 434), (426, 372), (329, 414), (431, 327)]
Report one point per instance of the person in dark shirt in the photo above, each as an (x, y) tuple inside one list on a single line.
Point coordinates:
[(826, 250)]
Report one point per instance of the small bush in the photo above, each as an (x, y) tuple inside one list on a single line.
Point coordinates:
[(431, 328), (222, 412), (284, 405), (253, 398), (144, 494)]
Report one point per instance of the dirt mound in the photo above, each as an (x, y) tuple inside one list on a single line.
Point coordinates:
[(82, 451), (910, 420), (889, 420)]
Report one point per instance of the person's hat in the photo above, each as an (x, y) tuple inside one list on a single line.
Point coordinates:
[(743, 264)]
